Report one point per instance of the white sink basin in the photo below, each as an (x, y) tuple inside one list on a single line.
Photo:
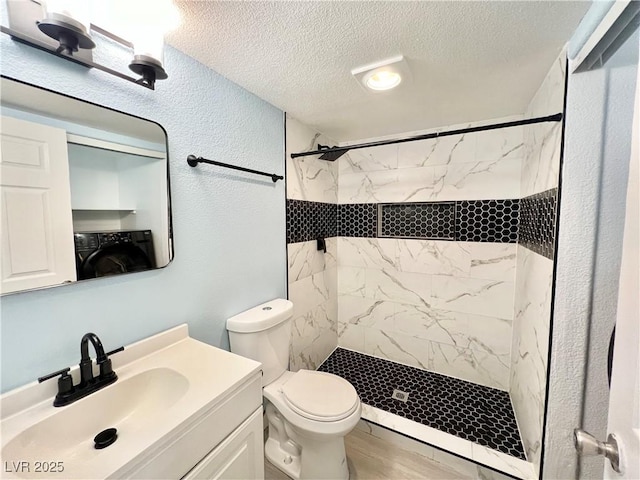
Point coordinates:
[(155, 397), (129, 405)]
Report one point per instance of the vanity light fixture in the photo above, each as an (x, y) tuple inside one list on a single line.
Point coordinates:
[(69, 23), (64, 28), (383, 75)]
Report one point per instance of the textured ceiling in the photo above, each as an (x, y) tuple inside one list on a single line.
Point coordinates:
[(469, 60)]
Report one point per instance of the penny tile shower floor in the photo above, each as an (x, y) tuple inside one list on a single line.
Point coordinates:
[(473, 412)]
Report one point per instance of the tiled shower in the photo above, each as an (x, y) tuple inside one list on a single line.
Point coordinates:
[(439, 257)]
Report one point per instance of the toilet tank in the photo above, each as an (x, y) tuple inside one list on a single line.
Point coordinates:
[(263, 333)]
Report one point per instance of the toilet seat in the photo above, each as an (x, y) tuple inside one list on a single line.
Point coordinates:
[(320, 396)]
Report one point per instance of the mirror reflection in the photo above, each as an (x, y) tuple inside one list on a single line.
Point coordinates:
[(85, 190)]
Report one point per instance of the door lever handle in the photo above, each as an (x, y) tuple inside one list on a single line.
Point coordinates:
[(587, 445)]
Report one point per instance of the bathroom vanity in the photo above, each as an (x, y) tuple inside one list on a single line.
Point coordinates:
[(182, 409)]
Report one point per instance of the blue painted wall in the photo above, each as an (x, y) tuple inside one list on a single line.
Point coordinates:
[(229, 230)]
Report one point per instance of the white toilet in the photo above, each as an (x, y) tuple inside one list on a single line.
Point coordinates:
[(309, 412)]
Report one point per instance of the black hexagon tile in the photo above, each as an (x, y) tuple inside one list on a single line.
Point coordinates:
[(310, 220), (537, 222), (418, 220), (357, 220), (487, 221), (467, 410)]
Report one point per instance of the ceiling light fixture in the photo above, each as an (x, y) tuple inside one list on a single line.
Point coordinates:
[(383, 75)]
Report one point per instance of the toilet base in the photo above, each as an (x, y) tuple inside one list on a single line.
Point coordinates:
[(302, 457)]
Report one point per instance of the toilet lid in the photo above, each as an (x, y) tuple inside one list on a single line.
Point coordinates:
[(320, 396)]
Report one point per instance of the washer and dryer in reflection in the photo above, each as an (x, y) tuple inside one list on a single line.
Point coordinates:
[(99, 254)]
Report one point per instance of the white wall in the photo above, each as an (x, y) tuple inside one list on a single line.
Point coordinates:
[(597, 151), (229, 228)]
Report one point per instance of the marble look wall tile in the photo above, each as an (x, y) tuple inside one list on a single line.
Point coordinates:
[(489, 334), (530, 347), (480, 346), (398, 347), (304, 258), (540, 173), (437, 151), (549, 98), (322, 347), (541, 166), (433, 257), (309, 178), (475, 366), (496, 179), (540, 170), (430, 324), (487, 146), (313, 335), (367, 252), (366, 187), (399, 185), (471, 295), (400, 287), (501, 144), (351, 336), (369, 159), (313, 292), (395, 286), (351, 281), (496, 261), (365, 312), (309, 293), (479, 260)]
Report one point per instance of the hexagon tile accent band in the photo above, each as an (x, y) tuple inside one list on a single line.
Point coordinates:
[(310, 220), (537, 222), (467, 410), (466, 221)]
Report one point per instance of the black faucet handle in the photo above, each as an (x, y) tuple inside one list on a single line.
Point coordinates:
[(65, 382), (62, 372), (106, 369), (119, 349)]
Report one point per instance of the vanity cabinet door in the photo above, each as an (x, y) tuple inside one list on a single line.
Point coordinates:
[(240, 456), (37, 230)]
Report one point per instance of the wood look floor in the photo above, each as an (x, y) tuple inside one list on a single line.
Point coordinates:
[(372, 458)]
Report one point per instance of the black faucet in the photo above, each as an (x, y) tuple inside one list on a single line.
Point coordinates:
[(86, 364), (67, 391)]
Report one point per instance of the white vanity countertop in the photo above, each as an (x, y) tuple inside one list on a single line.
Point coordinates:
[(165, 383)]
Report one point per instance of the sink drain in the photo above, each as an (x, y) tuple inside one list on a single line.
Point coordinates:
[(105, 438)]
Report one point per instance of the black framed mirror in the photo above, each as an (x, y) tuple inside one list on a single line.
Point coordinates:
[(85, 190)]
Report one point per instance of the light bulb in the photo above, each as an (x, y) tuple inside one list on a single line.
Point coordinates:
[(383, 80)]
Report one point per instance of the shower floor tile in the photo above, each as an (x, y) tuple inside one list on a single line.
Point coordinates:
[(473, 412)]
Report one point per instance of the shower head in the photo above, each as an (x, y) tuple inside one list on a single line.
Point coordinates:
[(331, 155)]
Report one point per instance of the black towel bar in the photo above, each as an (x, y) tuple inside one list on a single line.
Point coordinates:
[(193, 161)]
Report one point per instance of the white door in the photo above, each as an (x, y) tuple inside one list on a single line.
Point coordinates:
[(624, 400), (36, 239)]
